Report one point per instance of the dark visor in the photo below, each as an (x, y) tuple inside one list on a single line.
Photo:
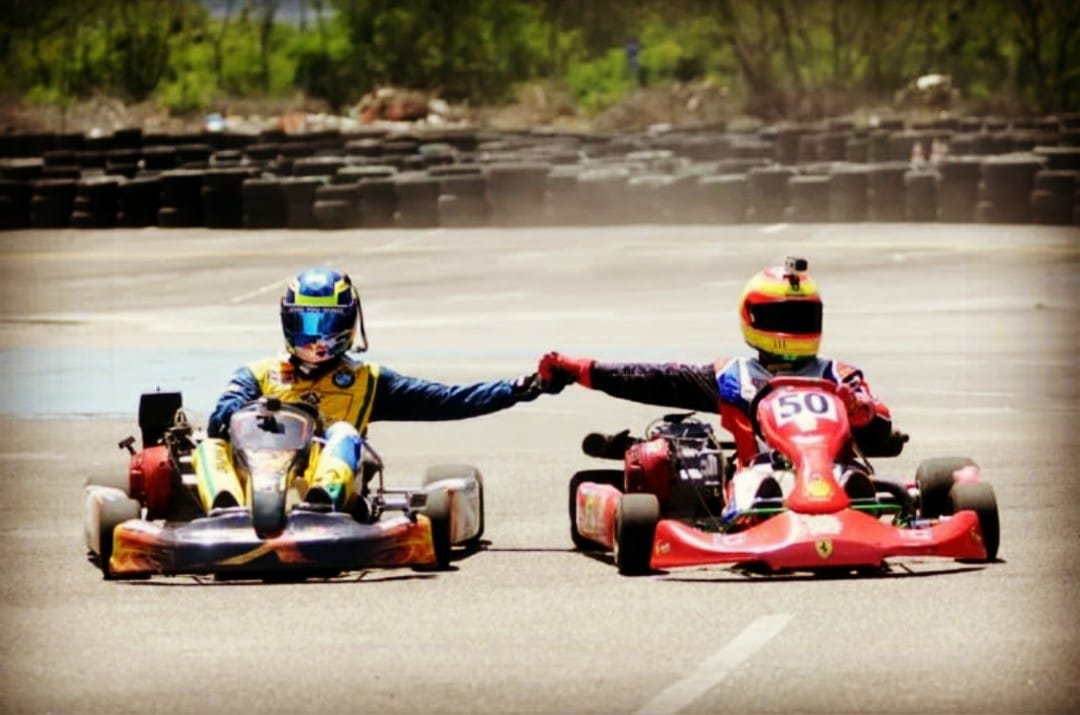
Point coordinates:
[(793, 316)]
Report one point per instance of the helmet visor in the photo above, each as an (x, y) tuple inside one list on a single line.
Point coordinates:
[(799, 317), (308, 324)]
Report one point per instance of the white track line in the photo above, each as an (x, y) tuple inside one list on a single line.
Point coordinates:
[(275, 285), (716, 667), (775, 228)]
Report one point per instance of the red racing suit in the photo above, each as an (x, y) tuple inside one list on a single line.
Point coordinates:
[(726, 387)]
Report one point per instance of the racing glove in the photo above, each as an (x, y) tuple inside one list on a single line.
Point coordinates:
[(529, 387), (556, 369), (859, 405)]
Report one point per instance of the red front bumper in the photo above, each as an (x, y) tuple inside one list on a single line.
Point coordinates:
[(793, 541)]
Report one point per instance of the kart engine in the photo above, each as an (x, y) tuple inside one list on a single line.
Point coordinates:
[(682, 464)]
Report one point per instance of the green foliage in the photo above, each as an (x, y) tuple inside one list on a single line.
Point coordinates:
[(779, 56), (600, 83)]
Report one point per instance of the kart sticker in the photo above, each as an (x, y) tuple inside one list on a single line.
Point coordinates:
[(819, 489), (824, 548), (803, 408), (822, 525), (344, 378)]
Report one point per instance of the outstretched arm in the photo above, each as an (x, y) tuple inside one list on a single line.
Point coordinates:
[(688, 387), (402, 398)]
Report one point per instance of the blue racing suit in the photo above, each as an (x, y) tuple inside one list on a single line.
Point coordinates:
[(348, 394)]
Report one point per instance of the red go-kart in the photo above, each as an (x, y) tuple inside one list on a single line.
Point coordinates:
[(810, 502)]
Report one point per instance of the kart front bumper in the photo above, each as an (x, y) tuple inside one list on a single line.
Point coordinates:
[(792, 541), (228, 544)]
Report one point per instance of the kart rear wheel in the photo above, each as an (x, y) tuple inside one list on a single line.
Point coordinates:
[(613, 477), (437, 510), (439, 472), (113, 513), (934, 478), (979, 498), (635, 527)]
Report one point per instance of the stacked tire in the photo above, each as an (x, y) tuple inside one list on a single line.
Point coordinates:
[(1006, 186), (958, 188), (15, 196), (886, 192), (723, 197), (337, 207), (768, 193), (223, 198), (52, 203), (920, 195), (138, 201), (462, 195), (96, 203), (848, 191), (517, 192), (809, 198), (417, 200), (181, 199), (264, 203), (1052, 198)]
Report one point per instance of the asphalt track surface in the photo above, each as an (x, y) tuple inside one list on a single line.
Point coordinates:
[(968, 332)]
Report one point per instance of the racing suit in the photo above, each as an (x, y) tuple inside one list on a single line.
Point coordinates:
[(348, 394), (727, 387)]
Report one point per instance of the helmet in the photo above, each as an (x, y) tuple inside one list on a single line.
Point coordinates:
[(320, 315), (780, 312)]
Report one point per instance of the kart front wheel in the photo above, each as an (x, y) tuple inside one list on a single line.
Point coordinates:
[(437, 510), (635, 527), (613, 477), (468, 473), (934, 478), (979, 498)]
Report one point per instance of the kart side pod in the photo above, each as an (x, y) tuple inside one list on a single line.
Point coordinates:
[(649, 468)]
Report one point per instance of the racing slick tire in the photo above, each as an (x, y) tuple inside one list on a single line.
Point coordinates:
[(934, 478), (613, 477), (113, 512), (439, 472), (979, 498), (437, 510), (635, 527)]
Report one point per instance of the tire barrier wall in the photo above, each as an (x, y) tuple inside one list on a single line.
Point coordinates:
[(961, 170)]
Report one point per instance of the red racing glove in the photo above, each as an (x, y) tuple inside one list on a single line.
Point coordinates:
[(558, 369), (859, 404)]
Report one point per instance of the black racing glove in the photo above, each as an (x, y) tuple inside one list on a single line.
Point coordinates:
[(529, 387)]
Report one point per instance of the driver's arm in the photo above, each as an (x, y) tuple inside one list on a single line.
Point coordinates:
[(687, 387), (873, 433), (402, 398), (242, 389)]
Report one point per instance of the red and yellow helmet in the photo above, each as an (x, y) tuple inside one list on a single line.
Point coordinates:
[(780, 311)]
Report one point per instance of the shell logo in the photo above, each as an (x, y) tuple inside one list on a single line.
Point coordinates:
[(818, 488)]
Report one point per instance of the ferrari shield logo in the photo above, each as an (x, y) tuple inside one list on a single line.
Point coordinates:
[(823, 548)]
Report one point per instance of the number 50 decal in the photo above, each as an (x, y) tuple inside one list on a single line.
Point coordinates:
[(792, 405)]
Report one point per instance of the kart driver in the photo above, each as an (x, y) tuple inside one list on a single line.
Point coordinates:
[(780, 311), (320, 317)]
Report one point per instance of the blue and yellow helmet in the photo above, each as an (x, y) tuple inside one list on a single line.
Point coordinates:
[(320, 316)]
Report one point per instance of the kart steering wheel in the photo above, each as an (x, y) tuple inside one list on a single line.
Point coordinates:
[(784, 381)]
